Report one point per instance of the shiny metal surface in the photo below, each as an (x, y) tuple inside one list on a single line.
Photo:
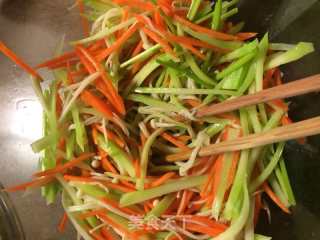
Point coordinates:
[(32, 28)]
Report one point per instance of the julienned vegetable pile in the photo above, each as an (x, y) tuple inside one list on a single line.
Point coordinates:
[(126, 97)]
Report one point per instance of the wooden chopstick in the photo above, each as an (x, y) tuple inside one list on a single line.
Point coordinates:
[(293, 131), (295, 88)]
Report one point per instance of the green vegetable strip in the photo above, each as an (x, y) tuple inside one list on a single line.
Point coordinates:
[(161, 207), (145, 157), (261, 237), (173, 186), (261, 56), (142, 56), (197, 71), (239, 223), (268, 169), (299, 51), (154, 102), (231, 45), (184, 91), (236, 28), (248, 80), (117, 154), (222, 188), (230, 211), (240, 52), (230, 13), (216, 17), (106, 32), (287, 185), (235, 65), (228, 4), (195, 4), (81, 134)]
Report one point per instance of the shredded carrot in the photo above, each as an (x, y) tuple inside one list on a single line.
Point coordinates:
[(60, 59), (243, 36), (123, 209), (213, 232), (232, 172), (142, 5), (72, 163), (274, 198), (111, 135), (107, 184), (159, 21), (137, 167), (98, 44), (195, 51), (192, 102), (63, 222), (119, 43), (194, 42), (84, 21), (267, 80), (143, 139), (107, 234), (94, 101), (285, 120), (185, 200), (97, 235), (183, 138), (164, 178), (112, 95), (107, 166), (280, 104), (125, 15), (210, 32), (174, 141), (11, 55), (278, 78), (166, 7), (119, 227), (39, 182), (137, 49), (155, 37)]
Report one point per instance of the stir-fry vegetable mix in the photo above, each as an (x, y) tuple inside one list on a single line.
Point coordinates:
[(127, 95)]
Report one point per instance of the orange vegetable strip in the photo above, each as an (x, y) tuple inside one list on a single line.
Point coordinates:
[(145, 6), (119, 43), (213, 232), (111, 135), (97, 103), (63, 222), (63, 58), (117, 226), (183, 138), (185, 200), (210, 32), (159, 21), (245, 35), (107, 234), (11, 55), (107, 184), (123, 209), (112, 95), (195, 42), (155, 37), (162, 179), (35, 183), (137, 49), (275, 198), (84, 21), (137, 167), (195, 51), (72, 163), (174, 141), (107, 166)]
